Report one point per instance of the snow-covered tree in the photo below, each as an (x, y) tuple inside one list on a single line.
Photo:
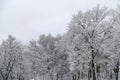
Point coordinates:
[(86, 38), (41, 53), (47, 57), (9, 50), (89, 50), (114, 49)]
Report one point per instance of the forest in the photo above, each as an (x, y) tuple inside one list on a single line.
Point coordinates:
[(89, 50)]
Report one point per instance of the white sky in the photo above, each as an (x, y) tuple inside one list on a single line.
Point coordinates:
[(27, 19)]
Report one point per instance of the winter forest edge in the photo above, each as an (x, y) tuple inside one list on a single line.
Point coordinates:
[(89, 50)]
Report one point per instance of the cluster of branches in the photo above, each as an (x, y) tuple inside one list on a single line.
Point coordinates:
[(89, 50)]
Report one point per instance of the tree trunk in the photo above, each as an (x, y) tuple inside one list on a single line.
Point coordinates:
[(93, 54), (57, 76), (116, 70), (116, 76), (89, 74), (93, 66), (98, 71), (74, 77), (93, 70), (78, 75), (111, 75)]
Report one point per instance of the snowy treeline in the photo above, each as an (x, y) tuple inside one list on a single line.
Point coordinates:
[(89, 50)]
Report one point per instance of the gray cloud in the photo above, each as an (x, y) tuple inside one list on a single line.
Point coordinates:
[(27, 19)]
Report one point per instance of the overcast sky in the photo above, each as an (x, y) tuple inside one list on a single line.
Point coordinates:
[(27, 19)]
